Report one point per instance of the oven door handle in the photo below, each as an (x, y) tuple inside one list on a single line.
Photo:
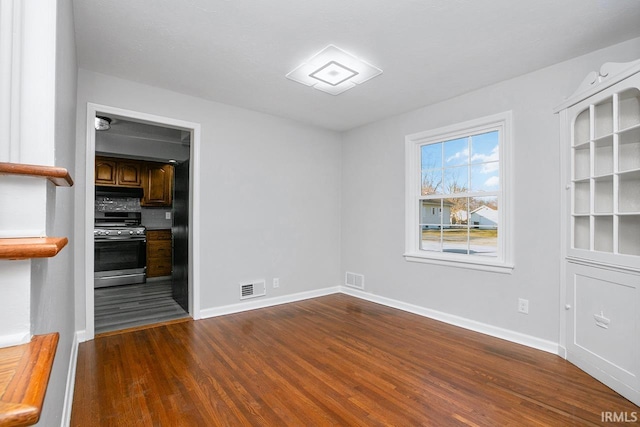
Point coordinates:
[(121, 239)]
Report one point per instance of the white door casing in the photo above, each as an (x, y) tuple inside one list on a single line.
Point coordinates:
[(194, 210)]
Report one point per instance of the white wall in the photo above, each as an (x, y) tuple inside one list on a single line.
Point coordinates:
[(39, 297), (373, 202), (31, 30), (270, 192), (52, 298)]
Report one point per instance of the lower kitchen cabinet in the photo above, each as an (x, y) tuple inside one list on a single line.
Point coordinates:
[(159, 253)]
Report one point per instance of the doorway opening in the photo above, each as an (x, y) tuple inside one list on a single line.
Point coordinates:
[(141, 180)]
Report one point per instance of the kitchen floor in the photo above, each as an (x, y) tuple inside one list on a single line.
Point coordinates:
[(128, 306)]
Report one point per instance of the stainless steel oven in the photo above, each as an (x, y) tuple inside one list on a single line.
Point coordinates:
[(120, 241), (120, 255)]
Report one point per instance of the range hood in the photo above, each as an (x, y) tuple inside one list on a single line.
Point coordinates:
[(106, 191)]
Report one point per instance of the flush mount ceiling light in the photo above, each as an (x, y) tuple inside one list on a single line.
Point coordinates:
[(332, 70), (102, 123)]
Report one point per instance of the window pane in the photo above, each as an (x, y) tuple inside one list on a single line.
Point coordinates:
[(454, 232), (430, 240), (483, 233), (431, 182), (457, 209), (484, 147), (431, 167), (455, 239), (456, 180), (485, 177), (431, 212), (431, 156), (483, 241), (456, 152)]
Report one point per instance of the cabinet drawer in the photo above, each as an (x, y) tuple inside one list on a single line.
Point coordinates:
[(158, 235), (161, 249), (156, 268)]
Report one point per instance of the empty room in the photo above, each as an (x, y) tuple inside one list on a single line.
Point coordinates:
[(368, 213)]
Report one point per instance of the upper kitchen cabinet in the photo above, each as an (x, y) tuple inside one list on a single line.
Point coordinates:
[(129, 174), (105, 171), (118, 172), (157, 182)]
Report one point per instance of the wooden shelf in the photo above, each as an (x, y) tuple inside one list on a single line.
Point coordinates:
[(31, 247), (24, 375), (58, 176)]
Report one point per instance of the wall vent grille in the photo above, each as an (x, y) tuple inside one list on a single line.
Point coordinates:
[(253, 289), (354, 280)]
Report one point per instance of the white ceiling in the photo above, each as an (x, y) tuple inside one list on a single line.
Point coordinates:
[(238, 51)]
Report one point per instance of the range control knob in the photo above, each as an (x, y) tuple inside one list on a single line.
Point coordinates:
[(130, 231), (107, 232), (119, 232)]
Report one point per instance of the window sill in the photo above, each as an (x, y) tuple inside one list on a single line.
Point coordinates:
[(494, 267)]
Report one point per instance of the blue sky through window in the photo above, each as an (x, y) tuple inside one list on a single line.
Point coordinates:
[(469, 164)]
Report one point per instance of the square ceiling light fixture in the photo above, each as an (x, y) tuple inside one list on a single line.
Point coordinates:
[(332, 70)]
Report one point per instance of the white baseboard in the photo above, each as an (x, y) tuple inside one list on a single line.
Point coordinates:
[(266, 302), (462, 322), (81, 335), (71, 381), (14, 339)]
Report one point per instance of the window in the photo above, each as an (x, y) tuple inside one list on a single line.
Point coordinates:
[(457, 203)]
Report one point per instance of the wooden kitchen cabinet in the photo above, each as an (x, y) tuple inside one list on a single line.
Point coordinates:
[(157, 182), (129, 174), (159, 253), (118, 172), (106, 171)]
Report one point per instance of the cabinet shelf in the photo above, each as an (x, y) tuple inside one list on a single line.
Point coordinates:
[(31, 247), (24, 375), (58, 176)]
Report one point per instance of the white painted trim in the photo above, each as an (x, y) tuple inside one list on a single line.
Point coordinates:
[(483, 328), (619, 386), (596, 81), (14, 339), (71, 381), (503, 263), (90, 153), (266, 302), (82, 335), (462, 262), (194, 211), (194, 229)]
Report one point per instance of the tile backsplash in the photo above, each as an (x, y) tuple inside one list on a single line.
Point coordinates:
[(117, 204)]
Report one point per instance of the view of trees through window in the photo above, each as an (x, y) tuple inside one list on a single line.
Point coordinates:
[(460, 183)]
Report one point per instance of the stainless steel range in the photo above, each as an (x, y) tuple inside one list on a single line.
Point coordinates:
[(120, 248)]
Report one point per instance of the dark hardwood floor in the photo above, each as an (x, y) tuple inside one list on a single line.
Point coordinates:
[(128, 306), (334, 360)]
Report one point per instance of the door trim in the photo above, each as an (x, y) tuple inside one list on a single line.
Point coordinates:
[(194, 205)]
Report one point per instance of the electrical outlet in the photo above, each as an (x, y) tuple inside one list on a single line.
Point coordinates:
[(523, 305), (167, 215), (276, 282)]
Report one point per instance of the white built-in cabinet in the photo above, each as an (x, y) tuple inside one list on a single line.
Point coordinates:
[(601, 220)]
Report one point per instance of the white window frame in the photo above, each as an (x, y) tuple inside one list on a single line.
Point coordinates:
[(503, 262)]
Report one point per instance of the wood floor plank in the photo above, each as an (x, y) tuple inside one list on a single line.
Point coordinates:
[(334, 360), (128, 306)]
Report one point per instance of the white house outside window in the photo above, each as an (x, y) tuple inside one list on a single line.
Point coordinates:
[(457, 203)]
